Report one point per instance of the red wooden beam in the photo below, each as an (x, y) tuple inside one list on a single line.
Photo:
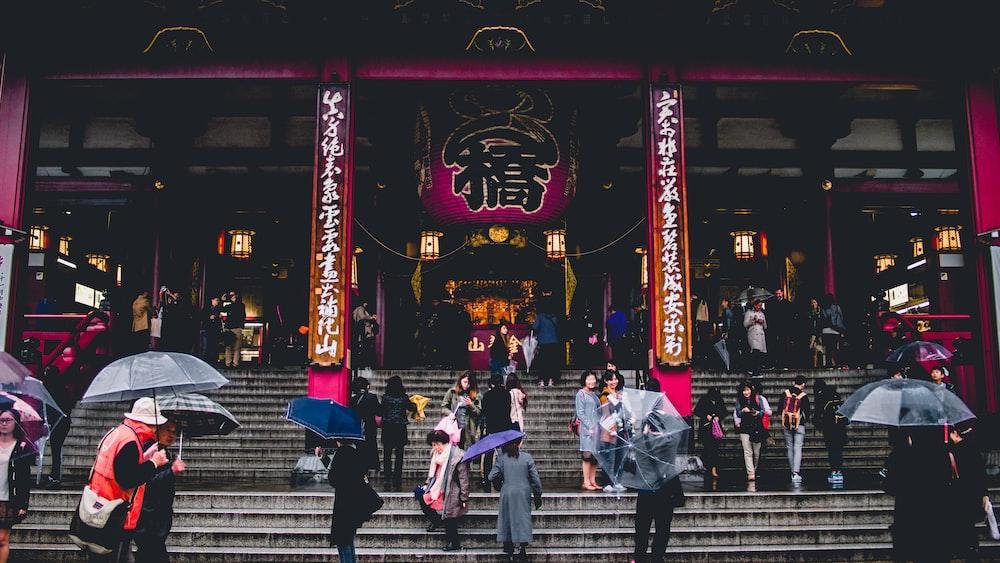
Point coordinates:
[(229, 70), (873, 186), (82, 185), (735, 72)]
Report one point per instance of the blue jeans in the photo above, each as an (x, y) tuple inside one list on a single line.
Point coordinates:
[(347, 553), (793, 443)]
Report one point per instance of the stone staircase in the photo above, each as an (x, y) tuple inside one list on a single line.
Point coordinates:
[(286, 526), (235, 504)]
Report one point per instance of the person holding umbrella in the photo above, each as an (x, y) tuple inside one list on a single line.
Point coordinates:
[(367, 407), (969, 497), (122, 468), (347, 475), (157, 515), (495, 418), (16, 455), (444, 497), (756, 325), (515, 469)]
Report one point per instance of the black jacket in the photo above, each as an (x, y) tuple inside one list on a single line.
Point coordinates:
[(707, 405), (346, 477), (19, 475), (236, 315), (495, 416), (157, 516)]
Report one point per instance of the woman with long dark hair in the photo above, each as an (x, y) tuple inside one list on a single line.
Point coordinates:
[(16, 456), (395, 406), (366, 406), (748, 418), (500, 354), (521, 484), (463, 401), (711, 410)]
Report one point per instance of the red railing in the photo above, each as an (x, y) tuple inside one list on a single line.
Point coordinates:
[(89, 336)]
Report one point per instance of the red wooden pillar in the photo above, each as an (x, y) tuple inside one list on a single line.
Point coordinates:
[(984, 166), (14, 89)]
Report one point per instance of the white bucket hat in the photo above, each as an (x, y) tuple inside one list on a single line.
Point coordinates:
[(146, 411)]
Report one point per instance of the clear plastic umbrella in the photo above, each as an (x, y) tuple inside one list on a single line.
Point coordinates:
[(529, 345), (754, 294), (905, 402), (643, 440), (152, 373)]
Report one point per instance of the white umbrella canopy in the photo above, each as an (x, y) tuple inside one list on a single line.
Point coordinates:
[(152, 373), (528, 346)]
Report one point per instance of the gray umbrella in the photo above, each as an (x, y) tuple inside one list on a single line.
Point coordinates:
[(754, 294), (905, 402), (152, 373)]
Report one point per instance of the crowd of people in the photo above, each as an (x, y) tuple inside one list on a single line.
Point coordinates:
[(171, 324), (771, 333)]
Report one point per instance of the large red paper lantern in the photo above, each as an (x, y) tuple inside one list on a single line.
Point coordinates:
[(496, 154)]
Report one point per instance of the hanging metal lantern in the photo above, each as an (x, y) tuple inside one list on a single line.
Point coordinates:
[(918, 246), (949, 238), (743, 245), (99, 261), (354, 267), (38, 237), (64, 245), (430, 245), (884, 261), (555, 244), (241, 243)]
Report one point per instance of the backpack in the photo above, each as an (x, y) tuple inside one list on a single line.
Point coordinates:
[(791, 415), (832, 419)]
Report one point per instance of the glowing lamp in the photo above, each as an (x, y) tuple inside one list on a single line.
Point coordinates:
[(241, 243), (643, 266), (119, 274), (354, 267), (64, 245), (918, 246), (38, 237), (99, 261), (430, 245), (884, 261), (949, 239), (555, 244), (743, 247)]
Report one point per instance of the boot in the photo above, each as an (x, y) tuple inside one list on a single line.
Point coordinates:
[(522, 553)]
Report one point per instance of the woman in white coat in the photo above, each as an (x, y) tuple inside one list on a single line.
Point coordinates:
[(756, 324)]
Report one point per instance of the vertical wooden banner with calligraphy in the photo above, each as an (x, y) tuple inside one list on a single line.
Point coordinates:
[(670, 331), (330, 268)]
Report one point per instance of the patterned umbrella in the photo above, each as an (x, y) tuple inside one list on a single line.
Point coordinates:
[(35, 430), (197, 415), (927, 355), (11, 370)]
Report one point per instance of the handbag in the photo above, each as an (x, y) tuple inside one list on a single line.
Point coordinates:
[(450, 427), (98, 524), (371, 502), (765, 421), (717, 431), (574, 425)]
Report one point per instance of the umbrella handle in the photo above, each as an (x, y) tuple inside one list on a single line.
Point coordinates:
[(180, 447)]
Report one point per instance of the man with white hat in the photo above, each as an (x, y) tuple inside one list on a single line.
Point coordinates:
[(122, 468)]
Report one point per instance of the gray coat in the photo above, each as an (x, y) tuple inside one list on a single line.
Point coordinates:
[(520, 482), (587, 406), (456, 492)]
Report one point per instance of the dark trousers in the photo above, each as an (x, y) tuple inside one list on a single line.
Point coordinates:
[(835, 449), (56, 440), (393, 458), (151, 549), (450, 524), (140, 341), (710, 457), (550, 362), (649, 509)]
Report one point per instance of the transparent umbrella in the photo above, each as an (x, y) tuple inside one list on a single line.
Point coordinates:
[(643, 440), (754, 294), (905, 402), (528, 345)]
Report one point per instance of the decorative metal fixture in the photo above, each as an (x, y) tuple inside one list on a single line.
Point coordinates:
[(64, 244), (743, 246), (38, 237), (99, 261), (643, 266), (118, 275), (949, 239), (884, 261), (555, 244), (430, 245), (241, 243), (918, 246), (498, 233)]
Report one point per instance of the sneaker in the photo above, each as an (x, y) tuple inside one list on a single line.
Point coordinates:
[(51, 482), (452, 547), (609, 488), (838, 477), (619, 488), (796, 478), (832, 477), (541, 384)]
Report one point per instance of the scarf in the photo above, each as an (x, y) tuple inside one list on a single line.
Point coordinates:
[(438, 468)]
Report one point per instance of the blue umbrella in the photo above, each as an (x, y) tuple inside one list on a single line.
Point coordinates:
[(491, 442), (325, 417)]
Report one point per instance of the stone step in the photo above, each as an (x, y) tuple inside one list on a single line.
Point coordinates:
[(621, 537)]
